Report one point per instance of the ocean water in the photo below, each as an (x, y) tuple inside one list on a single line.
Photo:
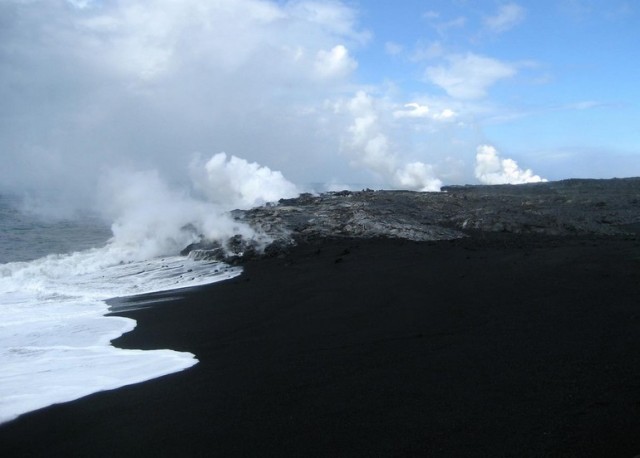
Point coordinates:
[(55, 276)]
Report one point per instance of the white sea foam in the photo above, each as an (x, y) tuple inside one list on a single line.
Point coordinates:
[(55, 337)]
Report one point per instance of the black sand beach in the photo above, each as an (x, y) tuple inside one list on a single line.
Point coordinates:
[(498, 345)]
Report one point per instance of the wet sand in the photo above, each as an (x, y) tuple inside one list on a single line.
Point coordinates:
[(488, 346)]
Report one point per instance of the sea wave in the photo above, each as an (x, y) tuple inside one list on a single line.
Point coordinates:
[(55, 340)]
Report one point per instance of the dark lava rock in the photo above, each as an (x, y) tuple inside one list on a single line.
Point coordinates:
[(569, 207)]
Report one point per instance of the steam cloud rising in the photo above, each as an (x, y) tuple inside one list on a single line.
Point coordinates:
[(236, 183), (107, 102), (491, 169)]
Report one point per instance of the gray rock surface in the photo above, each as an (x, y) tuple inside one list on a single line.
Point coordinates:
[(569, 207)]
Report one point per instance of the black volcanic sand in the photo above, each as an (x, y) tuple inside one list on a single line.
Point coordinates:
[(496, 346)]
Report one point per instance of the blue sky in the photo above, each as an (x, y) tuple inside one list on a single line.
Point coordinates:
[(408, 94), (573, 93)]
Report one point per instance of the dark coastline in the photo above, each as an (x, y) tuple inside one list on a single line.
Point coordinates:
[(493, 345)]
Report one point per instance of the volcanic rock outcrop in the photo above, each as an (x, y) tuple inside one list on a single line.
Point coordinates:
[(569, 207)]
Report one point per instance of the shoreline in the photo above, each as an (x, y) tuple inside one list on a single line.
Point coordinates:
[(484, 346)]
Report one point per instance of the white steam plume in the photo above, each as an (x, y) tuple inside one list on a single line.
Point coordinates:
[(153, 219), (491, 169), (237, 183), (371, 148), (417, 176)]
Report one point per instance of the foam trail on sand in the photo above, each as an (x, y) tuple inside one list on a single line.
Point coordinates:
[(54, 337)]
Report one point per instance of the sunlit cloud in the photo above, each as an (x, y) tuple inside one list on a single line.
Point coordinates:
[(335, 63), (412, 110), (507, 17), (469, 76), (415, 110), (370, 145)]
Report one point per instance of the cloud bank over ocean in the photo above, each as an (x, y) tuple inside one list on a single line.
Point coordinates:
[(305, 90)]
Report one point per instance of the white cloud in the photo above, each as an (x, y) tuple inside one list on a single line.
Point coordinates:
[(150, 39), (412, 110), (367, 142), (457, 23), (469, 76), (145, 83), (507, 17), (81, 4), (333, 16), (491, 169), (415, 110), (447, 113), (370, 146), (335, 63)]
